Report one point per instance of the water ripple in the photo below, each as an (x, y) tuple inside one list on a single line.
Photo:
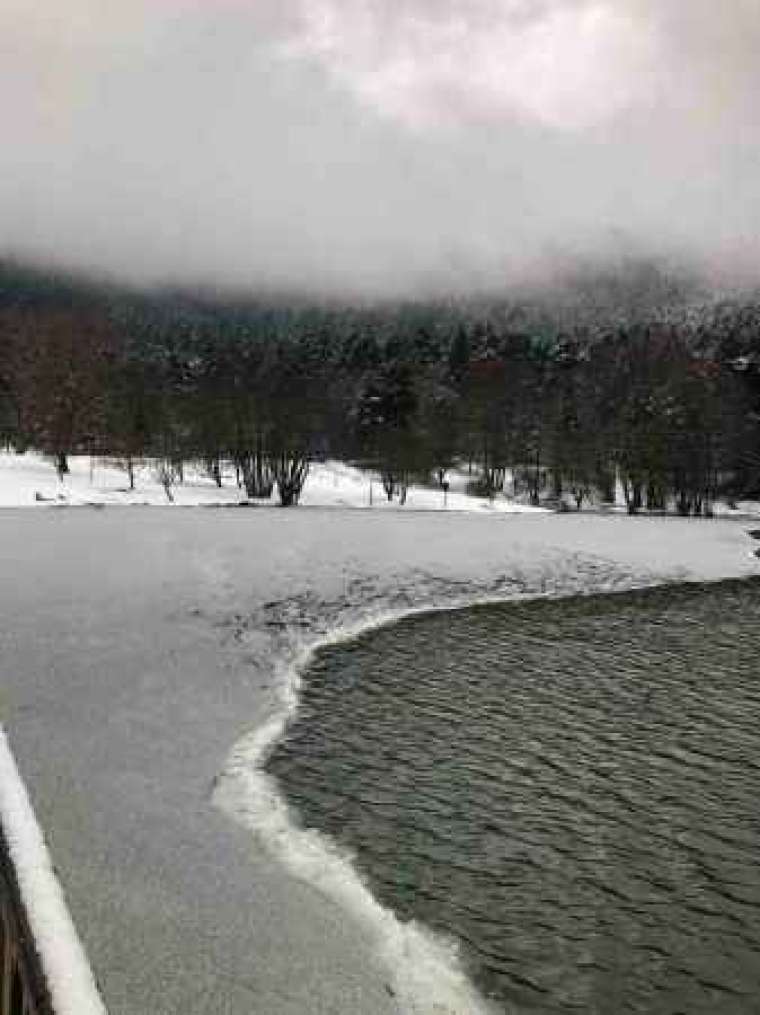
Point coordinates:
[(570, 788)]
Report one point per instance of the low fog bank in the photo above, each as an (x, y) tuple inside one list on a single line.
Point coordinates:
[(355, 151), (567, 292)]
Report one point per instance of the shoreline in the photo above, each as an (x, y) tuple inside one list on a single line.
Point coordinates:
[(618, 511), (426, 970)]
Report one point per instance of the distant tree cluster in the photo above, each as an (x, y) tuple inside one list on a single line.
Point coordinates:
[(565, 404)]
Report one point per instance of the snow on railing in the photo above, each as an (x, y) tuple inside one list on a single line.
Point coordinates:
[(23, 990), (43, 970)]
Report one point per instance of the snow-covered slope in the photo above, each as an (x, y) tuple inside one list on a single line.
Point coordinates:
[(30, 479)]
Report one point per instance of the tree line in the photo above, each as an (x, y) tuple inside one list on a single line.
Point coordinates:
[(662, 402)]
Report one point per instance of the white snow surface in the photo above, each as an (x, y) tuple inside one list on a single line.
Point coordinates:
[(30, 480), (69, 977)]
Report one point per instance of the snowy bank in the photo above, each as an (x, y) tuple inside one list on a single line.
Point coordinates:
[(29, 479)]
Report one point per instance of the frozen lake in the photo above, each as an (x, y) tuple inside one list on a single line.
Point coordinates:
[(140, 646)]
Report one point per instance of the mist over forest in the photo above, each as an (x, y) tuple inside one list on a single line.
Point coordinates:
[(628, 373)]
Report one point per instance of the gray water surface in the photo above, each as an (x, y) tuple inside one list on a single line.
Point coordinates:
[(571, 789)]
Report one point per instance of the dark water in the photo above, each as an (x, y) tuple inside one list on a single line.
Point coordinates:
[(571, 789)]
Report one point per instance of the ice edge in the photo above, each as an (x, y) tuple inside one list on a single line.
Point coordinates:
[(426, 970)]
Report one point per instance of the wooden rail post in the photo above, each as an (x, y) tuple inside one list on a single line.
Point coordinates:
[(23, 990)]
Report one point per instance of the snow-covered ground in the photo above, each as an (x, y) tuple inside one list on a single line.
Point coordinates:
[(148, 657), (30, 479)]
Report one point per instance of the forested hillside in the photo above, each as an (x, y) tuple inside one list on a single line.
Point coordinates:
[(629, 373)]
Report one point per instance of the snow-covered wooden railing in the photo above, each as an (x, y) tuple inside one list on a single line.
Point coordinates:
[(44, 968), (23, 990)]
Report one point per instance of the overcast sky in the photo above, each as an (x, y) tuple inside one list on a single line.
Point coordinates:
[(376, 145)]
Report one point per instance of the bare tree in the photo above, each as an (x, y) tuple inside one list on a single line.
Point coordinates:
[(59, 365), (290, 470), (166, 474)]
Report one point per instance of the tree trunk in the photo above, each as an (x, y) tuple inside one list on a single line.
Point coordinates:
[(557, 489), (605, 480), (683, 504), (535, 487), (290, 474), (633, 494), (655, 497), (214, 469)]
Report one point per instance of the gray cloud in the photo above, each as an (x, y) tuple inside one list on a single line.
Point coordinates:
[(352, 145)]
